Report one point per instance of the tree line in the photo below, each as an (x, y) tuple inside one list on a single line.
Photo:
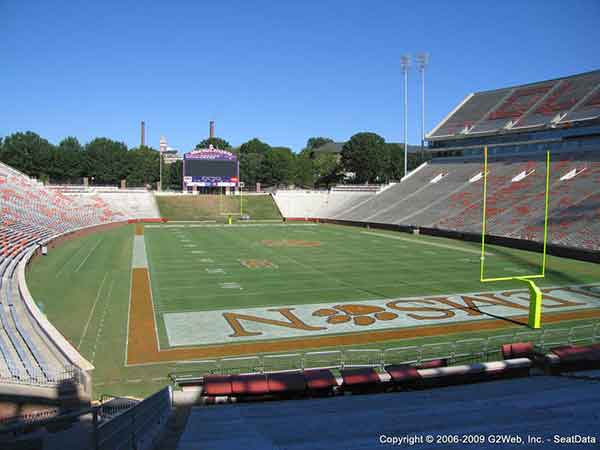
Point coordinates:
[(365, 158)]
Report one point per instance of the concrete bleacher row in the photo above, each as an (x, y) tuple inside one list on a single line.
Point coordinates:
[(311, 204), (129, 203), (448, 195)]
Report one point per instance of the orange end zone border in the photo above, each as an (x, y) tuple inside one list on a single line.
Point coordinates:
[(142, 347)]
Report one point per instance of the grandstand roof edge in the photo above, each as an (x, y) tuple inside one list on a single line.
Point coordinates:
[(533, 83)]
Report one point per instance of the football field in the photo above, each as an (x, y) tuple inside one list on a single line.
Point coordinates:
[(242, 283), (148, 300)]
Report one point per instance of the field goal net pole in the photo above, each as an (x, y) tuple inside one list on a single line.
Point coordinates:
[(241, 200), (230, 214), (535, 293)]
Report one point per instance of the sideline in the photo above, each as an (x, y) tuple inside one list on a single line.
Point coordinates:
[(433, 244)]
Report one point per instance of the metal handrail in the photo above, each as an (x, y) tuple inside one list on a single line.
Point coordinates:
[(458, 352)]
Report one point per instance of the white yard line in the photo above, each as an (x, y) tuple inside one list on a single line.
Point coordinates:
[(69, 260), (101, 326), (292, 291), (87, 324), (348, 300), (423, 242), (88, 255)]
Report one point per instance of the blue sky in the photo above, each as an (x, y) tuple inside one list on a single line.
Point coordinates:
[(281, 71)]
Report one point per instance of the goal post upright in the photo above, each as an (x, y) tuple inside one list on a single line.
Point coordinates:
[(535, 294), (485, 172), (546, 197)]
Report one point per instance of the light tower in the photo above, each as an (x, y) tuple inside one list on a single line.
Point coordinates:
[(405, 63), (422, 61), (162, 149)]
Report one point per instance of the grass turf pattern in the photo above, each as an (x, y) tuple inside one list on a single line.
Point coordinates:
[(216, 207)]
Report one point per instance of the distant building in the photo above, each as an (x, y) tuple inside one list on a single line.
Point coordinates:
[(330, 147), (170, 154)]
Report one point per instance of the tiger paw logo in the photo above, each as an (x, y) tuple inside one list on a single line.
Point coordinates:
[(257, 264), (362, 315)]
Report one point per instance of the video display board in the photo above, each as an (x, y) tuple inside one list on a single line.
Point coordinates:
[(210, 167)]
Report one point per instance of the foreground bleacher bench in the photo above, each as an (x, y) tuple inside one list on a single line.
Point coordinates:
[(356, 380), (570, 358), (286, 383), (474, 373), (277, 384), (320, 381), (360, 380), (518, 350)]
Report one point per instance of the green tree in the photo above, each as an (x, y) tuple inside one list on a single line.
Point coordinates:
[(216, 142), (365, 155), (254, 146), (106, 161), (277, 166), (68, 161), (313, 143), (29, 153), (251, 156), (395, 167), (304, 170), (143, 166), (250, 168), (327, 170), (173, 175)]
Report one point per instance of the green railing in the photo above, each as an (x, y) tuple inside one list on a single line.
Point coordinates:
[(466, 351)]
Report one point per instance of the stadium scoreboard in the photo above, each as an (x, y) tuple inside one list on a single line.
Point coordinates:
[(210, 167)]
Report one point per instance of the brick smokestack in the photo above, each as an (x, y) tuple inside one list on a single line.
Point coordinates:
[(143, 130), (211, 131)]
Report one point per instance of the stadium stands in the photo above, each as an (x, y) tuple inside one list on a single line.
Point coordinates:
[(31, 215), (472, 108), (544, 104), (447, 194), (318, 204), (126, 203), (512, 108)]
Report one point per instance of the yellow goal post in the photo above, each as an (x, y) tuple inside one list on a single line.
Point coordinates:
[(535, 294)]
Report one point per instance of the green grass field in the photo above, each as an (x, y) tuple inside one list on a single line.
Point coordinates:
[(83, 285), (216, 207)]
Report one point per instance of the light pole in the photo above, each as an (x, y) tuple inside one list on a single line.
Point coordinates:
[(162, 148), (405, 63), (422, 61)]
